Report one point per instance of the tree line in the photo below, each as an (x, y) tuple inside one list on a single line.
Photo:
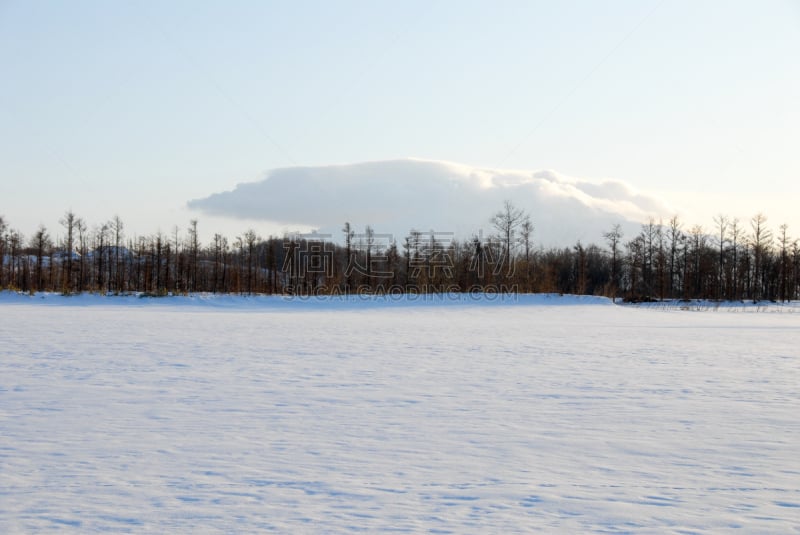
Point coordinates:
[(666, 260)]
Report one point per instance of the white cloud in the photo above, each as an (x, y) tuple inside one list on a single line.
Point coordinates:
[(395, 196)]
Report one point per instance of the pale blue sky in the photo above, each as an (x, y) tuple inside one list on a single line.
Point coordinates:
[(134, 108)]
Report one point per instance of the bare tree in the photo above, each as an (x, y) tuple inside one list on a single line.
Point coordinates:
[(649, 234), (407, 252), (167, 250), (661, 261), (697, 241), (117, 231), (3, 241), (251, 238), (795, 283), (525, 234), (178, 268), (506, 222), (722, 231), (69, 222), (613, 238), (413, 245), (239, 244), (369, 243), (194, 249), (101, 252), (676, 239), (41, 244), (783, 279), (83, 250), (218, 276), (16, 274), (760, 242), (736, 238), (161, 267), (348, 244), (580, 268)]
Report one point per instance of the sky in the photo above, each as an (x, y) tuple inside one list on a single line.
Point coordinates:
[(151, 110)]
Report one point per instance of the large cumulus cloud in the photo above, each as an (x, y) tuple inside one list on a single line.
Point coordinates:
[(395, 196)]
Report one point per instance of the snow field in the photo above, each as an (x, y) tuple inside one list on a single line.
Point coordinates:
[(414, 418)]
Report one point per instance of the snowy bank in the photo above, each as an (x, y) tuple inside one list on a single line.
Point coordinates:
[(355, 302), (702, 305)]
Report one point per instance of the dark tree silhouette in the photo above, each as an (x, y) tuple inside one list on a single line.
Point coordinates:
[(506, 222), (70, 223), (613, 238)]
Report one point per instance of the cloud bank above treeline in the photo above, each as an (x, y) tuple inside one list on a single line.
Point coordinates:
[(396, 196)]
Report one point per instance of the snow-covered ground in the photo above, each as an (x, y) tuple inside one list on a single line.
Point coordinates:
[(222, 414)]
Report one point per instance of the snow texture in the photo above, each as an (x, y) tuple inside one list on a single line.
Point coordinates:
[(503, 415)]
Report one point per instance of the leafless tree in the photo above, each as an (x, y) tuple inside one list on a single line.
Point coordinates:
[(117, 228), (506, 222), (783, 280), (369, 243), (525, 235), (3, 247), (177, 267), (83, 247), (795, 283), (735, 239), (676, 239), (194, 250), (348, 244), (41, 244), (760, 241), (722, 232), (250, 239), (17, 267), (69, 222), (613, 238), (101, 253), (218, 276)]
